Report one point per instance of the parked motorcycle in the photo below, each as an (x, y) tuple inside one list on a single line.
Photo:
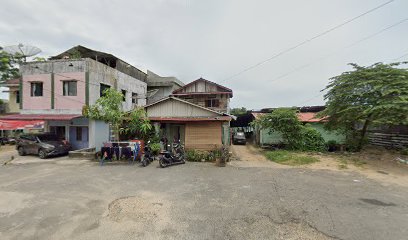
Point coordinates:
[(147, 157), (173, 157)]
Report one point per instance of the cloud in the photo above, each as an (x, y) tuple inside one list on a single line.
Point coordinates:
[(217, 39)]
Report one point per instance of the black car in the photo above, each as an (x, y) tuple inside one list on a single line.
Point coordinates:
[(239, 138), (7, 140), (42, 144)]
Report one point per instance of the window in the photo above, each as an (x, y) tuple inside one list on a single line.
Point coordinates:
[(103, 87), (17, 96), (212, 103), (134, 97), (69, 88), (36, 89), (79, 133), (124, 95)]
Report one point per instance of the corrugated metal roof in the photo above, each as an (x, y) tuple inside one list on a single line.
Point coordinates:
[(303, 117), (181, 119), (40, 116)]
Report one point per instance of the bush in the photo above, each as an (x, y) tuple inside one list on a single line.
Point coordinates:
[(332, 145), (155, 148), (404, 151), (312, 140), (199, 156)]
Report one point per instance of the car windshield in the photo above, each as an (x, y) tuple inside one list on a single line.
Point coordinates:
[(49, 137), (240, 134)]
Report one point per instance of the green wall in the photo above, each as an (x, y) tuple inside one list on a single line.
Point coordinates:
[(267, 138)]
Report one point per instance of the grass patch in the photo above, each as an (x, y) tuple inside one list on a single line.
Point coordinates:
[(343, 164), (289, 158)]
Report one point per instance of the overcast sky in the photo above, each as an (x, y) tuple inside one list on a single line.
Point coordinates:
[(217, 39)]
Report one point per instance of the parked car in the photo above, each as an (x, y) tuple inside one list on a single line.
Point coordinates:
[(42, 144), (239, 138), (7, 140)]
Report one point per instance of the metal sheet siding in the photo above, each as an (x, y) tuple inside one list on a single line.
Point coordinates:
[(203, 136)]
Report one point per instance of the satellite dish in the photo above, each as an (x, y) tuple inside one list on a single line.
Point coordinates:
[(22, 50)]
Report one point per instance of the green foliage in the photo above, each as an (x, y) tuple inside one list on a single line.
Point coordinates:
[(138, 123), (366, 96), (155, 148), (289, 158), (107, 108), (199, 156), (238, 111), (294, 134), (8, 66), (404, 151), (332, 145), (312, 140), (1, 102)]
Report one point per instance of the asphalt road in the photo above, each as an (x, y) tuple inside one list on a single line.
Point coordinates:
[(68, 199)]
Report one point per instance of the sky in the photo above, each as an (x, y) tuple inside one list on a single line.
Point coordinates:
[(218, 39)]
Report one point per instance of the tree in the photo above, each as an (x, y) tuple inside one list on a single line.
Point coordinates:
[(294, 134), (108, 108), (364, 97), (8, 68), (137, 122), (238, 111)]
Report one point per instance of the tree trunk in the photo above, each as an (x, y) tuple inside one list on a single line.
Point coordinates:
[(363, 132)]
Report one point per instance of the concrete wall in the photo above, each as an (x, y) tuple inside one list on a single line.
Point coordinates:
[(75, 69), (12, 105), (98, 134), (56, 71), (100, 73), (37, 102), (70, 102)]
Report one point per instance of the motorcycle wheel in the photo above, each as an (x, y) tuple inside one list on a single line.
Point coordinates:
[(143, 161), (162, 165)]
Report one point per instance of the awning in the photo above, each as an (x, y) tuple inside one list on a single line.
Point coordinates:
[(16, 124), (60, 117)]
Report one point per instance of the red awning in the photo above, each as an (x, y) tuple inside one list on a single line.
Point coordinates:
[(61, 117), (16, 124)]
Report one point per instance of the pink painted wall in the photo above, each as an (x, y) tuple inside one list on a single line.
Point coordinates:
[(69, 102), (43, 102)]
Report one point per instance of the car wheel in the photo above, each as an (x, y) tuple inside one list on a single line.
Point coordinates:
[(21, 151), (42, 154)]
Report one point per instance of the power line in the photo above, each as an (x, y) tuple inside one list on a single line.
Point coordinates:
[(308, 40), (335, 52)]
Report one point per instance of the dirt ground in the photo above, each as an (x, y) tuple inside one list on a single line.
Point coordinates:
[(374, 163)]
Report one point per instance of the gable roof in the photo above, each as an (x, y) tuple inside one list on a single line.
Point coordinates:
[(183, 101), (224, 90)]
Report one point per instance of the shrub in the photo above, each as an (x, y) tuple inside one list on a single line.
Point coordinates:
[(404, 151), (312, 140), (198, 156), (155, 148), (332, 145)]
